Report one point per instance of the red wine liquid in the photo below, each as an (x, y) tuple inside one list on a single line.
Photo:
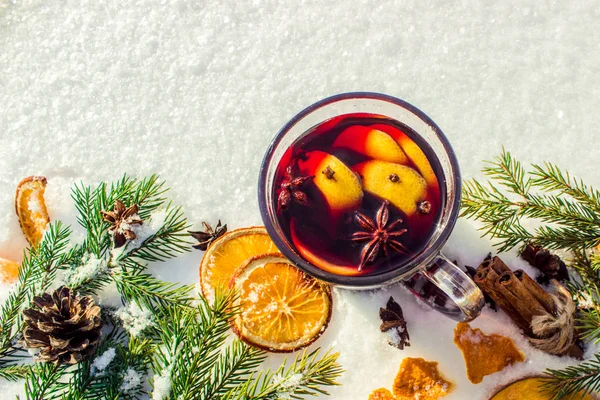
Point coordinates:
[(319, 216)]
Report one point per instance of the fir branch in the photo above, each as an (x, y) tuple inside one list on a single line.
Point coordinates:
[(550, 178), (232, 369), (191, 347), (147, 290), (44, 382), (168, 242), (306, 376), (583, 377), (15, 372), (36, 274), (568, 209)]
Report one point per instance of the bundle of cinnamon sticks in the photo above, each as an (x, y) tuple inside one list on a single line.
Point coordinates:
[(519, 296)]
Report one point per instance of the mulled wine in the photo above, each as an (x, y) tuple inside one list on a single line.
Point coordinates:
[(358, 194)]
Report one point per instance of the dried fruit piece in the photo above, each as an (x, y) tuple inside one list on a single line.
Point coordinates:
[(381, 394), (420, 379), (31, 208), (372, 143), (404, 194), (228, 252), (9, 271), (484, 354), (530, 389), (342, 192), (282, 309)]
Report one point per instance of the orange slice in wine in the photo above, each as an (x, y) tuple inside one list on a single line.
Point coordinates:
[(31, 208), (339, 185), (403, 186), (9, 271), (228, 252), (373, 143), (282, 309), (413, 152)]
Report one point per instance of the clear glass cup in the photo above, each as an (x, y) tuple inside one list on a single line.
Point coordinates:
[(428, 274)]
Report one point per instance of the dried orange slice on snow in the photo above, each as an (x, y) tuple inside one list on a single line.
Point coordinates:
[(31, 208), (228, 252), (9, 271), (282, 309)]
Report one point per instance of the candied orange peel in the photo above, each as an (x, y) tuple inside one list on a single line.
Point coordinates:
[(31, 208), (420, 379), (9, 271), (381, 394), (484, 354)]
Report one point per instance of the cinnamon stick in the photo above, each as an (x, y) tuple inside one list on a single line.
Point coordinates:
[(486, 279), (519, 297), (496, 264), (536, 290)]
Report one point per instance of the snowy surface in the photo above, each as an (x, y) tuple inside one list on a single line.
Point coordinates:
[(195, 91)]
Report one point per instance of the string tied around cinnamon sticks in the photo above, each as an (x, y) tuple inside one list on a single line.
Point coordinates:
[(547, 320)]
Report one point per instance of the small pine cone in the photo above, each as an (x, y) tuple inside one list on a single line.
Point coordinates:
[(65, 327)]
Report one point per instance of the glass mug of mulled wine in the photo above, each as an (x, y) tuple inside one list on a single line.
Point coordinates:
[(362, 190)]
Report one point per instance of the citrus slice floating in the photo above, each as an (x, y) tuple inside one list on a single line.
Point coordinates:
[(372, 143), (31, 208), (230, 251), (403, 186), (9, 271), (282, 309), (339, 185), (414, 153)]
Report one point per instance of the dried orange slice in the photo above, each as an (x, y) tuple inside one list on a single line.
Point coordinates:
[(282, 309), (228, 252), (31, 208), (9, 271)]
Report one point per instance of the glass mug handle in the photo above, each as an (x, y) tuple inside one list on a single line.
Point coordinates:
[(446, 288)]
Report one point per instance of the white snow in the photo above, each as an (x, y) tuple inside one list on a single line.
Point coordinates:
[(195, 91), (103, 361), (131, 380), (162, 385), (134, 318), (92, 267)]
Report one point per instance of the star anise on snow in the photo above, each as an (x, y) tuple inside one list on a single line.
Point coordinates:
[(379, 235), (291, 189), (209, 235), (122, 219), (392, 319)]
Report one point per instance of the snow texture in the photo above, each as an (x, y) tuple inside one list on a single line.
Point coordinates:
[(195, 91), (134, 318), (131, 380), (103, 361)]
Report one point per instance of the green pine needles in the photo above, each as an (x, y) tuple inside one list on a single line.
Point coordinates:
[(166, 342), (565, 215)]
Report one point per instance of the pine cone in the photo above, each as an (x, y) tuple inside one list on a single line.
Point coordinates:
[(65, 327)]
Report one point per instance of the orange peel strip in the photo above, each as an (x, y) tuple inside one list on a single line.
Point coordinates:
[(484, 354), (420, 379)]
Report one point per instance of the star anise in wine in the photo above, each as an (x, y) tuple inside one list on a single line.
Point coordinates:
[(122, 220), (291, 189), (380, 237), (209, 235)]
